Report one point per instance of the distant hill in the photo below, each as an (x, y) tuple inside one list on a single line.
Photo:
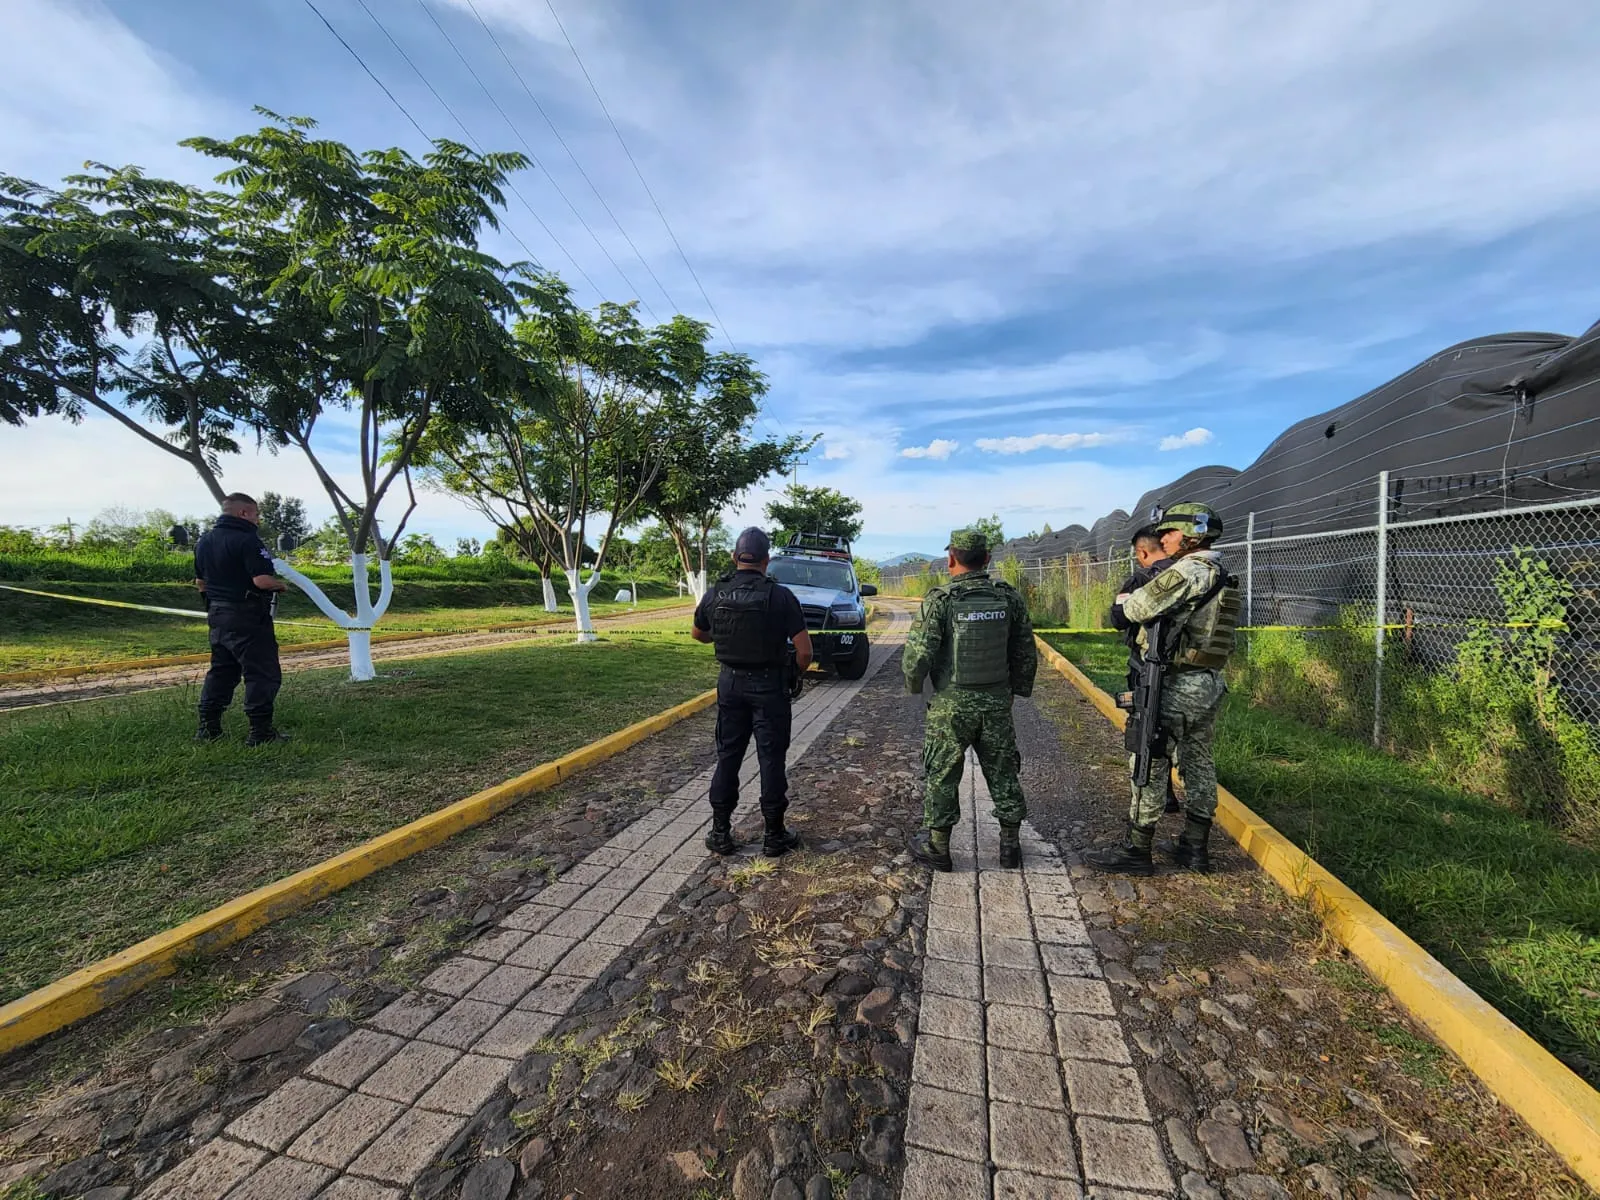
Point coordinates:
[(900, 560)]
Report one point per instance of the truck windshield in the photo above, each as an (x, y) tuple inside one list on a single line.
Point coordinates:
[(813, 572)]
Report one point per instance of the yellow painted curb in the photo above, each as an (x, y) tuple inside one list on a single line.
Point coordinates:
[(1556, 1104), (102, 984)]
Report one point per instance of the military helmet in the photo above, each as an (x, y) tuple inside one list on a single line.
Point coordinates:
[(1190, 519)]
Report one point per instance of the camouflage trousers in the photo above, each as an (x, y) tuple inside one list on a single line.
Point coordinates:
[(1189, 704), (957, 720)]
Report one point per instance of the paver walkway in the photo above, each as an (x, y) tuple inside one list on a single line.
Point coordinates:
[(1022, 1084), (368, 1117)]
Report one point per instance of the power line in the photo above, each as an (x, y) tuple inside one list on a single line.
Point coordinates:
[(363, 64), (467, 133), (656, 204), (407, 114), (488, 95), (667, 225), (671, 303)]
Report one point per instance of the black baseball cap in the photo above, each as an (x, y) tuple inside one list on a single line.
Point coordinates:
[(753, 546)]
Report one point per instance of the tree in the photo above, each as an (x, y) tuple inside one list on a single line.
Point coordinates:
[(994, 533), (115, 296), (419, 549), (368, 295), (283, 516), (815, 510), (583, 437), (715, 461), (468, 547)]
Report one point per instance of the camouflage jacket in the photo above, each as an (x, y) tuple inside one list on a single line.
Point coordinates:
[(927, 652), (1175, 590)]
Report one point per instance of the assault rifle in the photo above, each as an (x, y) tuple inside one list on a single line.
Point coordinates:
[(1143, 736)]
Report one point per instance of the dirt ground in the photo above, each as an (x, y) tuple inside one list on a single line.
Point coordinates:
[(1238, 988)]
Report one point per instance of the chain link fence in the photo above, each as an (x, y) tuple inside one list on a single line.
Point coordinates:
[(1471, 641)]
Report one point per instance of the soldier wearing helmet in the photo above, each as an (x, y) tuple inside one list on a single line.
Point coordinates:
[(1200, 602)]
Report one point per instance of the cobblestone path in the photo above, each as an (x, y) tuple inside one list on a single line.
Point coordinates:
[(1023, 1087), (364, 1120)]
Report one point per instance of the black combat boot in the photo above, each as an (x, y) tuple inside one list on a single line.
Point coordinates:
[(720, 839), (1192, 849), (1010, 847), (1130, 858), (932, 846), (210, 727), (262, 733), (778, 840)]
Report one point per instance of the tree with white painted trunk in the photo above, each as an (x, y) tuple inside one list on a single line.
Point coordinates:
[(375, 313), (572, 459), (707, 471)]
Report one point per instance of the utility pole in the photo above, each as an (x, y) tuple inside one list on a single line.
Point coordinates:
[(794, 476)]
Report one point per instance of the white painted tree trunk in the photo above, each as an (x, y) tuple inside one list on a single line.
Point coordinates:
[(580, 601), (358, 629), (550, 605), (697, 584)]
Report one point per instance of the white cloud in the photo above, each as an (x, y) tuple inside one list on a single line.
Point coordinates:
[(939, 448), (1183, 441), (76, 84), (1045, 441), (833, 451)]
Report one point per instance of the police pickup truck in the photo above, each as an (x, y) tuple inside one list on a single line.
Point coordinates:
[(818, 569)]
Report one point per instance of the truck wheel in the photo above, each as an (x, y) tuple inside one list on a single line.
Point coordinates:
[(855, 666)]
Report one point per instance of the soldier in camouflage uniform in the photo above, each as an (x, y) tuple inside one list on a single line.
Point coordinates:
[(1201, 603), (974, 639)]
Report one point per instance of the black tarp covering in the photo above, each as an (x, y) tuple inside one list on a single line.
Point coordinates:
[(1501, 421)]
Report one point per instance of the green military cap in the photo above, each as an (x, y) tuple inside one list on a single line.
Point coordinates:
[(968, 539)]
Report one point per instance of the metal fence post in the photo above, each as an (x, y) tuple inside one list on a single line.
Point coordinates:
[(1382, 616), (1250, 569)]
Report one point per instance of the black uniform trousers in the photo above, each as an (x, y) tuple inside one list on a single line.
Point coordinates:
[(752, 700), (242, 644)]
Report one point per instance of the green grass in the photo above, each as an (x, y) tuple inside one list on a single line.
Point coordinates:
[(1504, 900), (58, 633), (113, 825)]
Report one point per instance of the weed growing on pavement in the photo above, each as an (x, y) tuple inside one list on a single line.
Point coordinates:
[(756, 869), (819, 1016), (677, 1074), (631, 1102), (735, 1033)]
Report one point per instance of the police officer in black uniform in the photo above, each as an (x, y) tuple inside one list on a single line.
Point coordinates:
[(1152, 561), (233, 567), (751, 620)]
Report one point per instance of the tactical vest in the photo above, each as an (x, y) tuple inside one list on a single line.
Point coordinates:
[(742, 628), (980, 625), (1207, 636)]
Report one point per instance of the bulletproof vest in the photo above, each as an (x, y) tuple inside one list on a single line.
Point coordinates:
[(1207, 636), (742, 627), (980, 624)]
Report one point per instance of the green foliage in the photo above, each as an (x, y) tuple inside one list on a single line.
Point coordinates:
[(283, 515), (867, 572), (814, 510), (163, 564), (1493, 720), (421, 550), (991, 528), (1502, 897)]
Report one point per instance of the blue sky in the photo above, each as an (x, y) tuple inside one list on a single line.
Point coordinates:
[(997, 255)]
